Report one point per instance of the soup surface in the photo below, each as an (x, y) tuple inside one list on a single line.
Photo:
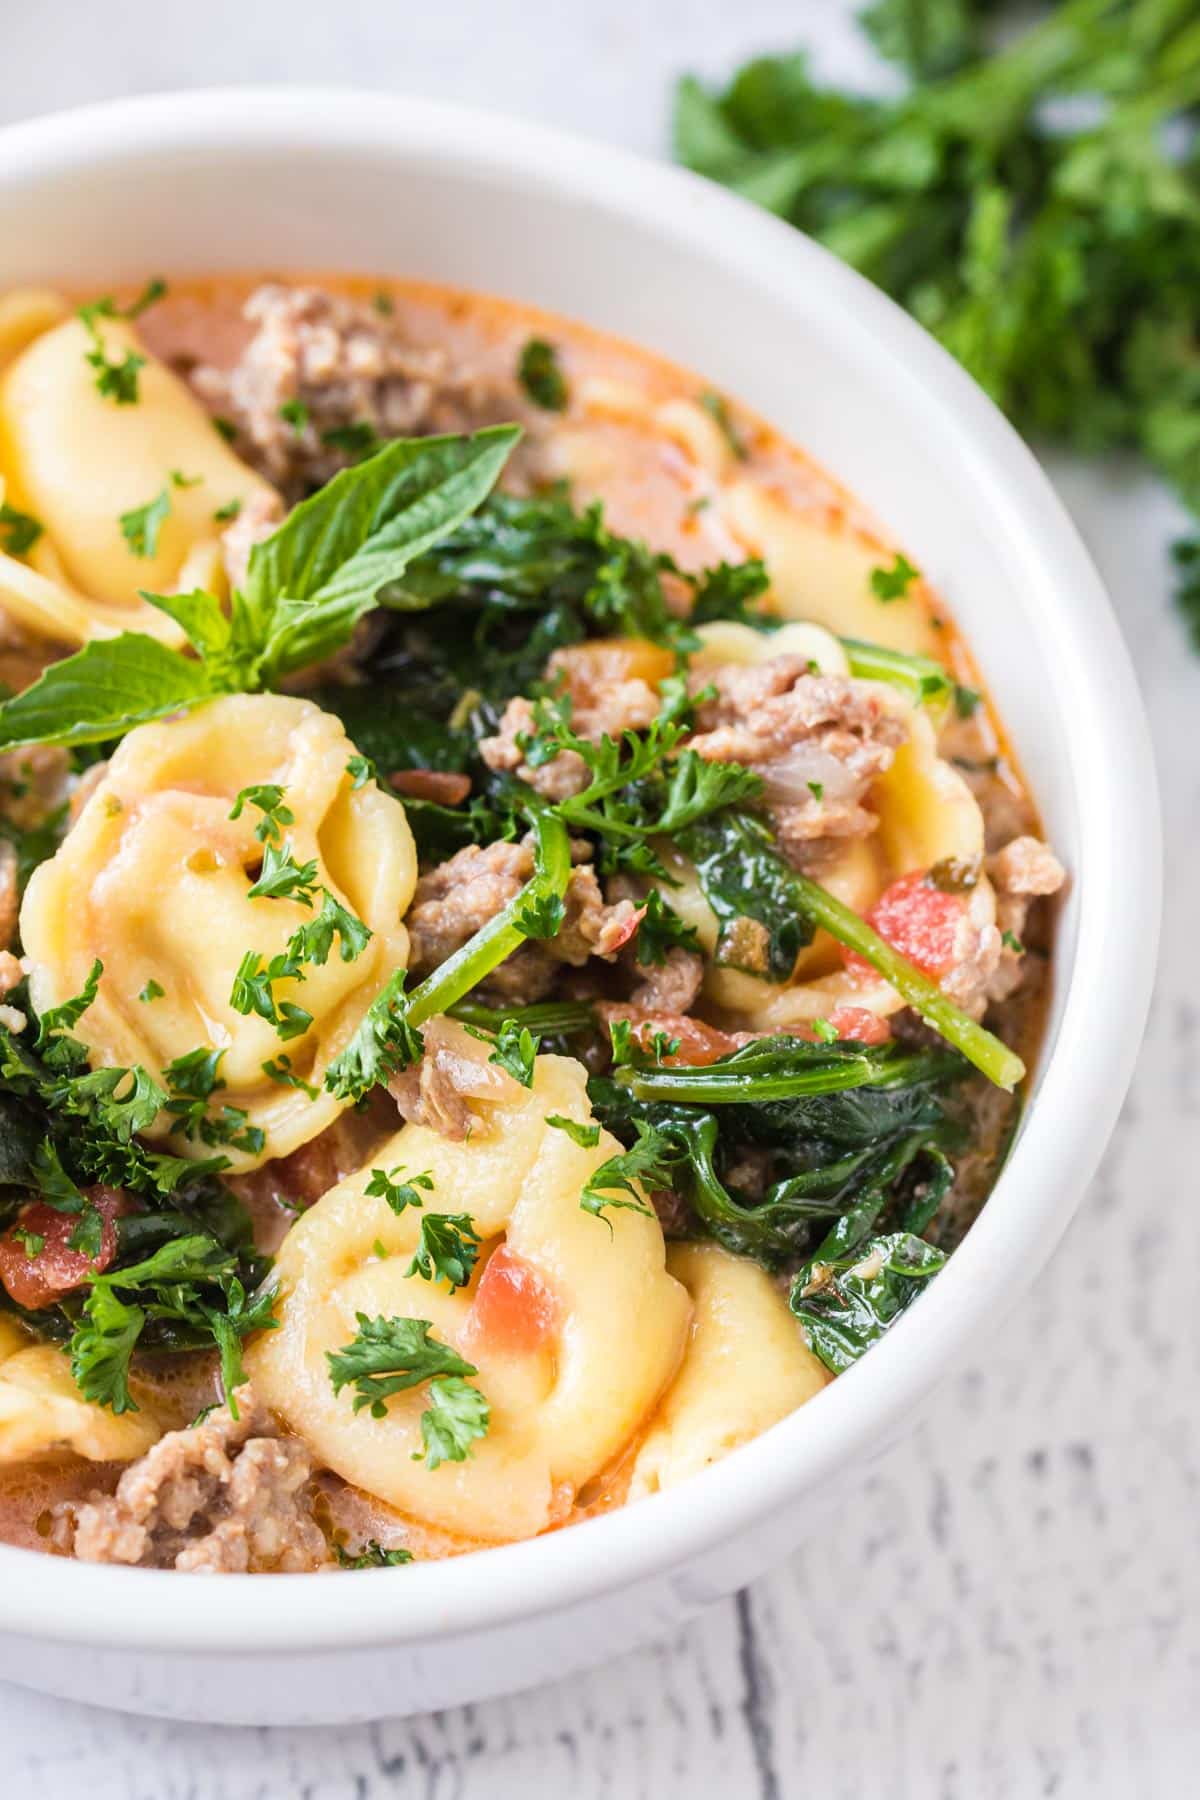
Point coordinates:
[(522, 935)]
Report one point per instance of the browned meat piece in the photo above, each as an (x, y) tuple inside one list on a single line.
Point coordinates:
[(224, 1495), (257, 520), (818, 741), (564, 775), (33, 783), (1024, 868), (336, 364), (672, 986), (1023, 871), (435, 1091), (599, 708), (455, 899)]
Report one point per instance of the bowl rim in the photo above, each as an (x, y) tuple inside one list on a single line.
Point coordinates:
[(1119, 835)]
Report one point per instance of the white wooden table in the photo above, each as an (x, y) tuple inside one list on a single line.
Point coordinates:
[(1011, 1607)]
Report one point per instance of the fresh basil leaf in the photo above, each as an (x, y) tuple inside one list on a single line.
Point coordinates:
[(201, 616), (321, 571), (101, 691)]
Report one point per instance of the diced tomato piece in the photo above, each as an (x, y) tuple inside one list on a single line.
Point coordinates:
[(917, 919), (40, 1280), (514, 1307), (853, 1024)]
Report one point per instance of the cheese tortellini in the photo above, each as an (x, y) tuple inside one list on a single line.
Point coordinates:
[(823, 574), (572, 1364), (43, 1416), (746, 1366), (927, 815), (154, 880), (77, 461)]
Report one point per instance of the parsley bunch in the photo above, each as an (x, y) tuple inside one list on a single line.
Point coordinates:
[(1055, 252)]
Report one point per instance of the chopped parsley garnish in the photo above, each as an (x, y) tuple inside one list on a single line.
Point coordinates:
[(19, 531), (389, 1356), (295, 414), (384, 1043), (361, 770), (540, 374), (514, 1050), (383, 304), (586, 1136), (650, 1160), (662, 930), (283, 878), (180, 480), (1012, 942), (447, 1249), (140, 527), (267, 797), (224, 515), (385, 1184), (371, 1556), (279, 1069), (357, 440), (717, 408), (893, 582), (153, 990), (192, 1079)]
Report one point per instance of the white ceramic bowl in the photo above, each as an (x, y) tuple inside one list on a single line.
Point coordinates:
[(246, 179)]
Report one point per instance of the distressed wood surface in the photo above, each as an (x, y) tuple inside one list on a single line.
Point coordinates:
[(1010, 1607)]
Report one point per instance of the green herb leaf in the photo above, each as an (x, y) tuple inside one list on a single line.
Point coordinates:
[(267, 798), (893, 583), (540, 374), (456, 1417), (650, 1161), (389, 1356), (19, 531), (385, 1184), (312, 580), (371, 1556), (586, 1136), (847, 1305), (97, 694), (447, 1249)]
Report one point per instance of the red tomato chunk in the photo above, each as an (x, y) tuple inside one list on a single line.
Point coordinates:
[(37, 1281), (918, 920), (514, 1308)]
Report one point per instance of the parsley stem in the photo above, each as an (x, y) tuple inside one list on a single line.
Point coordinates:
[(476, 959), (980, 1047)]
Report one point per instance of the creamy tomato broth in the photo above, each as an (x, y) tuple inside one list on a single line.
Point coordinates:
[(521, 946)]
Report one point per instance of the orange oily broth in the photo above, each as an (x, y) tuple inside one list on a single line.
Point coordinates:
[(651, 488)]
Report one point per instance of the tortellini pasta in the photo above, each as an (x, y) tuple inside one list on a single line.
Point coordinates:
[(154, 880), (43, 1416), (746, 1366), (598, 1330), (77, 461), (927, 815), (823, 574)]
